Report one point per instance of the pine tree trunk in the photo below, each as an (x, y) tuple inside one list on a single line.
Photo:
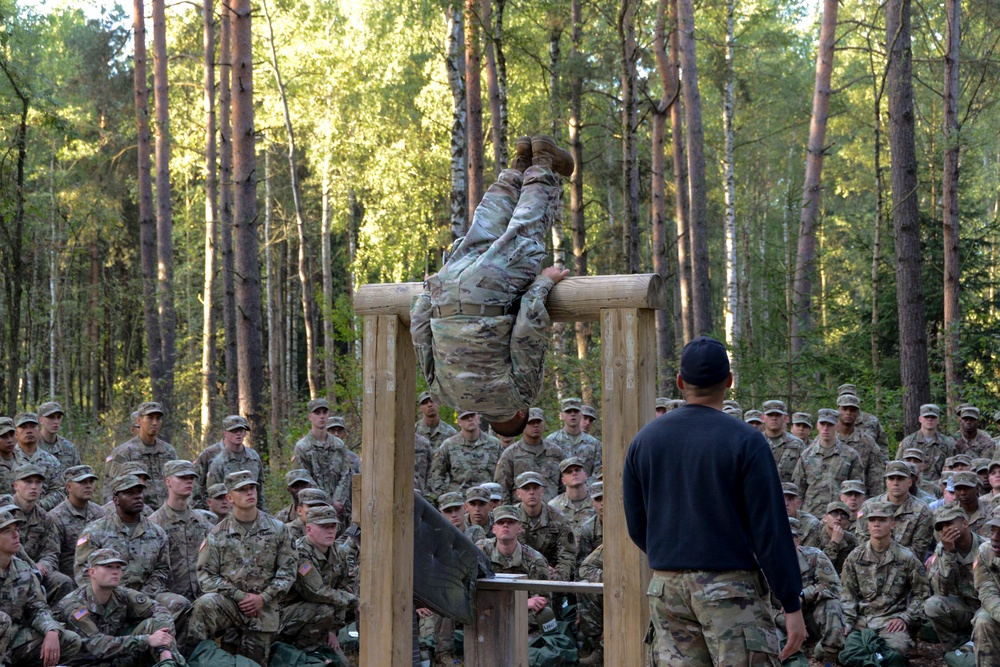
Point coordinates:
[(501, 60), (630, 123), (54, 328), (211, 204), (949, 206), (733, 324), (498, 126), (878, 90), (329, 352), (558, 330), (455, 65), (682, 213), (226, 213), (906, 215), (577, 218), (812, 184), (474, 101)]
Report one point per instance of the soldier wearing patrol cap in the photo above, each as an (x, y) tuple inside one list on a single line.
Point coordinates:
[(72, 514), (785, 447), (142, 543), (315, 609), (954, 603), (430, 425), (824, 465), (50, 417), (235, 456), (325, 457), (755, 418), (588, 418), (801, 426), (295, 481), (496, 494), (185, 528), (935, 445), (971, 439), (915, 457), (477, 509), (461, 459), (835, 539), (245, 567), (509, 554), (29, 635), (571, 437), (810, 525), (10, 455), (26, 432), (218, 502), (872, 459), (118, 626), (575, 503), (986, 576), (39, 533), (852, 494), (531, 452), (993, 488), (981, 467), (146, 448), (137, 468), (338, 428), (546, 530), (308, 498), (883, 584), (452, 506), (662, 405), (913, 522), (868, 422), (966, 486), (591, 533)]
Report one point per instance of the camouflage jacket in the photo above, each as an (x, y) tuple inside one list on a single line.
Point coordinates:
[(914, 525), (592, 568), (584, 445), (978, 519), (227, 461), (820, 471), (22, 599), (145, 548), (106, 630), (185, 533), (551, 535), (872, 460), (575, 512), (235, 561), (474, 531), (878, 587), (542, 458), (40, 538), (524, 560), (986, 575), (201, 465), (296, 529), (322, 578), (53, 489), (423, 453), (435, 435), (819, 578), (837, 553), (63, 450), (590, 537), (786, 450), (980, 447), (870, 424), (493, 365), (459, 463), (935, 451), (810, 527), (69, 522), (151, 456), (951, 572), (7, 467), (329, 464)]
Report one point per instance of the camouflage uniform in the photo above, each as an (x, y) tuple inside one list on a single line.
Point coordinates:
[(954, 603), (914, 525), (542, 458), (877, 588), (329, 464), (296, 529), (459, 463), (980, 447), (435, 435), (422, 455), (152, 458), (820, 471), (53, 490), (986, 623), (40, 541), (591, 536), (870, 424), (575, 512), (935, 452), (7, 468), (69, 522), (551, 535), (491, 361), (474, 532), (185, 533), (227, 461), (837, 553), (524, 560), (23, 609), (590, 607), (811, 527), (821, 606), (786, 450), (585, 446), (978, 519), (115, 634), (235, 561), (872, 460), (201, 465), (63, 450)]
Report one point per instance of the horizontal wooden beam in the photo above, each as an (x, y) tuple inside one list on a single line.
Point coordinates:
[(520, 583), (575, 299)]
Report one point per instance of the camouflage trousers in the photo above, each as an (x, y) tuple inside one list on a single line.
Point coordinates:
[(590, 611), (825, 620), (986, 638), (701, 619), (57, 586), (150, 657), (306, 625), (951, 617), (901, 642), (25, 646), (215, 614), (501, 255)]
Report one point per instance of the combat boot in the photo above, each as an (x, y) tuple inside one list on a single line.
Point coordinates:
[(595, 659), (546, 153), (444, 659), (522, 154)]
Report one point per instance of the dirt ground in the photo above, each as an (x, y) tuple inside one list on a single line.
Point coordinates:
[(925, 655)]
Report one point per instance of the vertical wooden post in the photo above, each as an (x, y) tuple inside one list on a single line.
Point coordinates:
[(628, 360), (498, 637), (386, 612)]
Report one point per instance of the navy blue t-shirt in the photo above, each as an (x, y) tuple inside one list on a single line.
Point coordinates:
[(702, 492)]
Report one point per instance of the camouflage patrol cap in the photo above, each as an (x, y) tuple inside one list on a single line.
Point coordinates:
[(837, 506), (569, 462), (124, 483), (599, 472), (802, 418), (312, 497), (848, 401), (298, 475), (477, 493), (733, 412), (466, 413), (969, 411), (662, 402), (597, 490), (753, 416), (874, 509), (316, 404), (50, 408), (571, 403), (179, 468), (930, 410), (994, 520), (965, 478), (847, 389), (958, 459), (897, 469), (7, 504), (149, 408), (789, 489), (78, 474), (827, 416), (6, 425), (994, 464), (105, 557), (795, 525), (508, 512), (949, 512), (730, 403), (526, 478), (322, 515), (22, 418), (134, 417), (535, 414), (424, 396), (235, 422), (335, 422), (913, 453), (980, 465), (589, 411), (239, 479), (945, 480), (7, 518), (853, 486), (28, 470), (450, 499), (137, 468), (774, 407), (216, 490), (496, 491)]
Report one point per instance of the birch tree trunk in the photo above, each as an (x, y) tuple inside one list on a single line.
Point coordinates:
[(630, 122), (226, 213), (733, 323), (211, 204), (455, 65), (949, 205), (474, 101), (682, 212)]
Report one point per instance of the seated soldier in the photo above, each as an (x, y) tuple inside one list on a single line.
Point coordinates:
[(295, 481), (913, 523), (591, 607), (315, 609), (72, 514), (811, 526), (308, 498), (575, 503), (836, 540), (218, 503), (508, 555), (120, 627), (928, 490), (966, 486), (452, 506), (39, 533), (982, 468), (954, 603), (544, 528), (986, 575), (883, 586), (853, 495), (496, 494), (592, 530), (137, 468), (993, 487), (477, 510)]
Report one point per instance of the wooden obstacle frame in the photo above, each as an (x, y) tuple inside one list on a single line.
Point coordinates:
[(624, 305)]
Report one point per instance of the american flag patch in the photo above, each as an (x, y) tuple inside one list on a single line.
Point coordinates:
[(83, 540), (108, 460), (79, 613), (305, 568)]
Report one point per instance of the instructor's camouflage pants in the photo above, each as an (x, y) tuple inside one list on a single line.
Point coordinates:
[(701, 619), (952, 619)]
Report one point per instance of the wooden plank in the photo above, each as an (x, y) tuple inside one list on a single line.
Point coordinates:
[(386, 512), (541, 585), (628, 358), (575, 299), (356, 498), (498, 636)]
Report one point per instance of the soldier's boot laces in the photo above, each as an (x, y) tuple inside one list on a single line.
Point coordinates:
[(522, 154), (545, 152)]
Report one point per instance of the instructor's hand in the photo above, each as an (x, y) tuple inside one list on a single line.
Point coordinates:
[(555, 274), (795, 628)]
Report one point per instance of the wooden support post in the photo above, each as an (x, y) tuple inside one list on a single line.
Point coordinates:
[(628, 360), (498, 637), (386, 610)]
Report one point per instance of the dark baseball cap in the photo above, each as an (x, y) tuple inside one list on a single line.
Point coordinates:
[(704, 362)]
